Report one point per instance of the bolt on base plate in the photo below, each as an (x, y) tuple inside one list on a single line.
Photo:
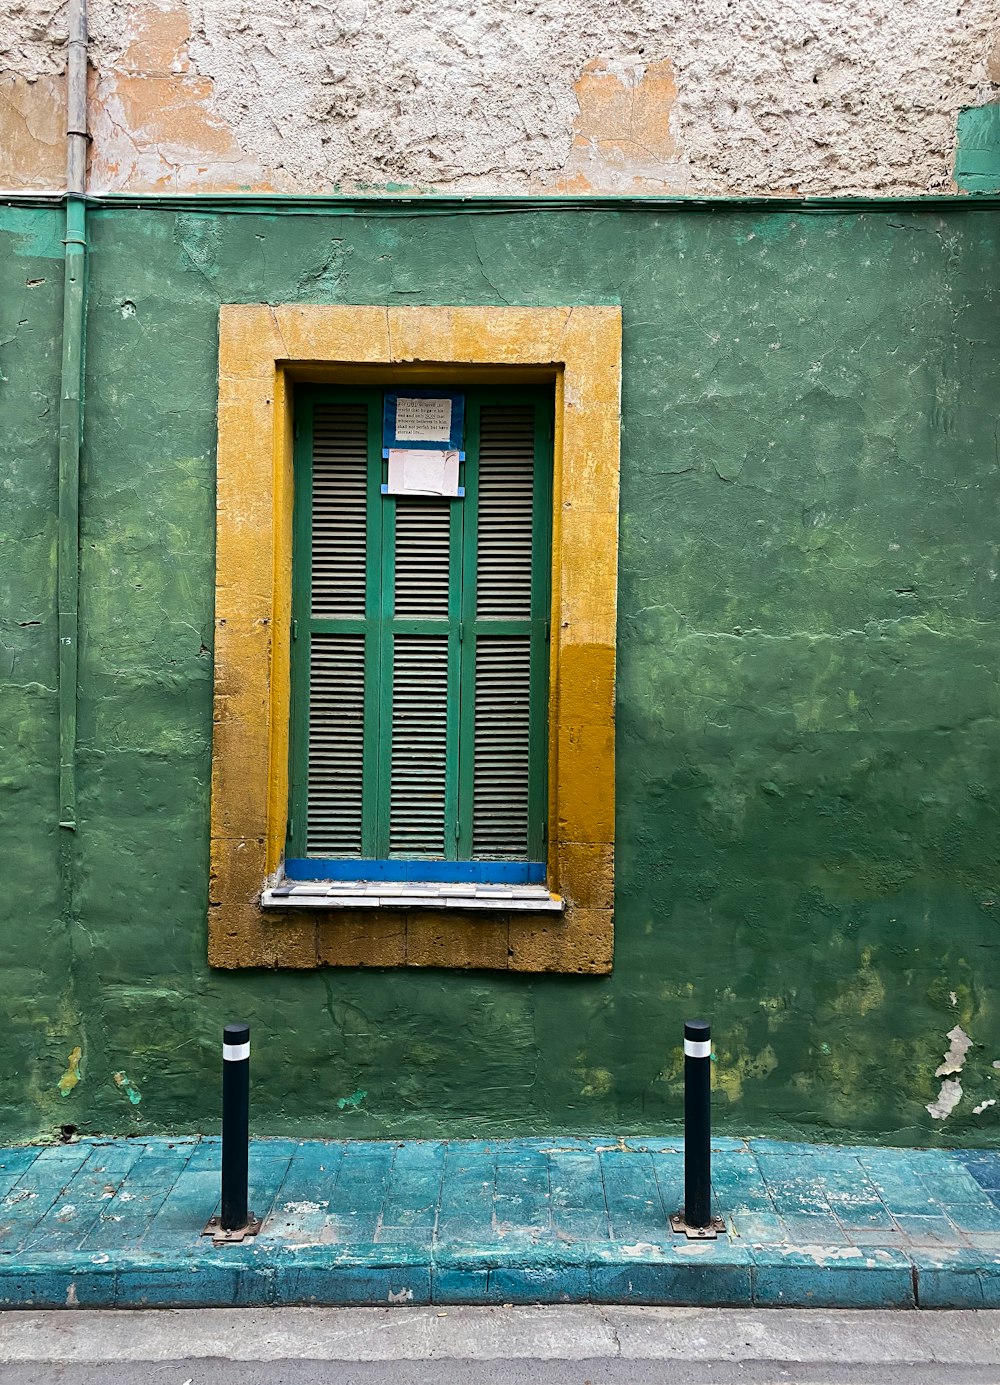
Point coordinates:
[(716, 1227), (236, 1237)]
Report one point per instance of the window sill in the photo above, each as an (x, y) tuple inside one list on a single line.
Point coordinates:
[(398, 894)]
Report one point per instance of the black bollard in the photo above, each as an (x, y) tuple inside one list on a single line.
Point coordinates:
[(697, 1123), (696, 1220), (235, 1125), (236, 1221)]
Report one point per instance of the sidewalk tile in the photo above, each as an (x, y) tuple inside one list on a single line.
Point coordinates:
[(983, 1167), (760, 1227), (957, 1279), (579, 1210), (324, 1284), (635, 1208), (845, 1277), (459, 1286), (358, 1194), (928, 1231), (797, 1186), (694, 1281), (539, 1284), (14, 1163), (184, 1211), (466, 1209), (739, 1185), (975, 1216), (953, 1184), (300, 1211), (814, 1230), (414, 1190), (36, 1285), (522, 1203)]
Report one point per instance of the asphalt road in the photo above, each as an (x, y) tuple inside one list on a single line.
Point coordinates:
[(576, 1345)]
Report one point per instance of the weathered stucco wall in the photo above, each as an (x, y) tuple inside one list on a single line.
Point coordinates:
[(808, 733), (691, 96)]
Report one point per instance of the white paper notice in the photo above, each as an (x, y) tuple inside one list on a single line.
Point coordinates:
[(423, 420), (413, 472)]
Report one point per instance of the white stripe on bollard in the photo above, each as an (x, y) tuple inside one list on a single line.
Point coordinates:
[(695, 1049), (235, 1053)]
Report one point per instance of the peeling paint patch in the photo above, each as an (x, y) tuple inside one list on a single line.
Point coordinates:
[(622, 140), (154, 121), (352, 1102), (948, 1098), (984, 1106), (404, 1296), (124, 1083), (954, 1059), (951, 1088), (72, 1075), (32, 136)]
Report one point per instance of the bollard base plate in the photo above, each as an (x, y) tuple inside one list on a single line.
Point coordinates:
[(716, 1227), (219, 1237)]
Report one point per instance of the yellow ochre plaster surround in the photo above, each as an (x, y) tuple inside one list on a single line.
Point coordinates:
[(262, 352)]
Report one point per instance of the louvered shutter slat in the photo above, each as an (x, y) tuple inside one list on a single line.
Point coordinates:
[(505, 542), (340, 493), (336, 744), (500, 794), (506, 492), (419, 745), (337, 661), (423, 533)]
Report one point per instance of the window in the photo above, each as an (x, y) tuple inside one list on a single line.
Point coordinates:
[(570, 359), (420, 647)]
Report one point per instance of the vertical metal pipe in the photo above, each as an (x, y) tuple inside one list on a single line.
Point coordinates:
[(697, 1123), (235, 1126), (71, 421), (76, 98)]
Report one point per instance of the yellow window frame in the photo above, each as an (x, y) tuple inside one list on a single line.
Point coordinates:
[(263, 351)]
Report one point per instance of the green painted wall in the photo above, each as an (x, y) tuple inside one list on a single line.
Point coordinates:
[(808, 732)]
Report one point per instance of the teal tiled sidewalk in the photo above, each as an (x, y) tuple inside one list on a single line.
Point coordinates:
[(523, 1221)]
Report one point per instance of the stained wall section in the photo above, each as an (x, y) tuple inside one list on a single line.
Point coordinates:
[(808, 741)]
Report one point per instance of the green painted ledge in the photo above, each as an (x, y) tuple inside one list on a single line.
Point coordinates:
[(982, 198)]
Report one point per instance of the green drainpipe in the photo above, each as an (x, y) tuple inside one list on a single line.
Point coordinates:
[(71, 421)]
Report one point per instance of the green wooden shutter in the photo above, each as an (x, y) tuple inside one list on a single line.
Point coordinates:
[(501, 676), (420, 574), (332, 543), (420, 655)]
